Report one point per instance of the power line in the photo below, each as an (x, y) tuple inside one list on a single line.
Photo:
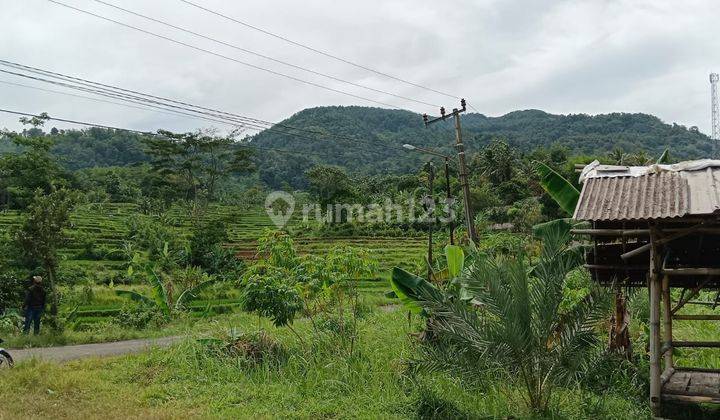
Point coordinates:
[(146, 133), (223, 56), (251, 126), (168, 112), (266, 57), (125, 98), (152, 104), (315, 50), (135, 96)]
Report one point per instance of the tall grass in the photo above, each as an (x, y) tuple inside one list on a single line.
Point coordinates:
[(189, 380)]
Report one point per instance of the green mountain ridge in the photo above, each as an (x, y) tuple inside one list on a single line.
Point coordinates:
[(368, 141), (372, 138)]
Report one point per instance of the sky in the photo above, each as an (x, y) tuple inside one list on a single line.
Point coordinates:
[(567, 57)]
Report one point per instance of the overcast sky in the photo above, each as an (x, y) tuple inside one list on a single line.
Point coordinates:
[(559, 56)]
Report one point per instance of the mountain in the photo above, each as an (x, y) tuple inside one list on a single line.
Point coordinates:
[(369, 140)]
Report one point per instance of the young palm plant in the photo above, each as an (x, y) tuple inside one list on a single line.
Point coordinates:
[(513, 325)]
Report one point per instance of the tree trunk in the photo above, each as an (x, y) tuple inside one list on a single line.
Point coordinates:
[(54, 303), (619, 326)]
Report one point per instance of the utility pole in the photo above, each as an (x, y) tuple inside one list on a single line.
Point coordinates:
[(448, 200), (464, 181), (430, 209)]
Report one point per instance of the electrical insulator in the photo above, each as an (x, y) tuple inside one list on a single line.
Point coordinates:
[(462, 103), (442, 112), (425, 118)]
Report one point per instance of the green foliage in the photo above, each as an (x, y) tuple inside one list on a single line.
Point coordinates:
[(253, 349), (207, 250), (41, 234), (196, 163), (12, 291), (455, 260), (525, 131), (273, 294), (30, 170), (330, 185), (514, 326), (140, 317), (562, 191), (409, 288), (171, 296)]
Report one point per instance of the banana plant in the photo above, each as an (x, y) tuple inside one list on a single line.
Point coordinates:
[(160, 297), (560, 189), (409, 288)]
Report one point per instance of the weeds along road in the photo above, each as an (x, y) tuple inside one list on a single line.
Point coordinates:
[(81, 351)]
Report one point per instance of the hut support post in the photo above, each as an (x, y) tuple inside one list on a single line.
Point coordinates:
[(655, 292), (667, 324)]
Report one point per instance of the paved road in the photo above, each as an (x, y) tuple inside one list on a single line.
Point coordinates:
[(65, 353)]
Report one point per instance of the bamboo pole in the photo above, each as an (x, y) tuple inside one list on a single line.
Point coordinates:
[(654, 290), (660, 241), (667, 321)]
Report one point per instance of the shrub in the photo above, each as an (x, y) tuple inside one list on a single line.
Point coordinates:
[(273, 294), (256, 348), (139, 317), (514, 326), (12, 291)]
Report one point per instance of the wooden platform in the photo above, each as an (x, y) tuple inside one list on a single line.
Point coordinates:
[(693, 386)]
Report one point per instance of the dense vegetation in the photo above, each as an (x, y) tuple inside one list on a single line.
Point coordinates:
[(320, 318), (368, 141)]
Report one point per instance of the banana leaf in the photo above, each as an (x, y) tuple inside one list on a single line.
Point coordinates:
[(455, 260), (137, 297), (409, 287), (159, 293), (665, 157), (560, 189), (193, 292)]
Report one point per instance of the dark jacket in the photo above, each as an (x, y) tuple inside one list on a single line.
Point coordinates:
[(35, 297)]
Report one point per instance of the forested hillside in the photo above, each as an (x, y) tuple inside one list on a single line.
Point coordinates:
[(369, 141)]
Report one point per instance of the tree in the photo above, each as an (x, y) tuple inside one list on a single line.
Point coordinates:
[(330, 185), (514, 325), (195, 163), (497, 161), (40, 234), (32, 168), (207, 251)]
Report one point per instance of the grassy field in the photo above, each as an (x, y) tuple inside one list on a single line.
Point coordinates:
[(190, 381), (321, 379)]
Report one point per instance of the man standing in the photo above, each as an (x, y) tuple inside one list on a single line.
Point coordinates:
[(34, 305)]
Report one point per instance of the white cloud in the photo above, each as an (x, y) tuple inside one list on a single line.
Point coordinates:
[(560, 56)]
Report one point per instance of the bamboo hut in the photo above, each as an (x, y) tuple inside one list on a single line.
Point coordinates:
[(659, 227)]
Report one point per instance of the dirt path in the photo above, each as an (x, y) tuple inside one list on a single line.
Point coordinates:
[(80, 351)]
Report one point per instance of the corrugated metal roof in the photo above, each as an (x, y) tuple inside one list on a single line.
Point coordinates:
[(664, 194)]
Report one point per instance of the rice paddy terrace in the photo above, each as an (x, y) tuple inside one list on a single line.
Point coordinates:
[(107, 226)]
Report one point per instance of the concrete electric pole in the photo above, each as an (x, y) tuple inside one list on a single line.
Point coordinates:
[(464, 180)]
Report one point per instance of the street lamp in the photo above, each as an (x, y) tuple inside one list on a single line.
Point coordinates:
[(447, 179)]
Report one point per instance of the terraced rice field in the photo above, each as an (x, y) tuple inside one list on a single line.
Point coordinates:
[(107, 225)]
